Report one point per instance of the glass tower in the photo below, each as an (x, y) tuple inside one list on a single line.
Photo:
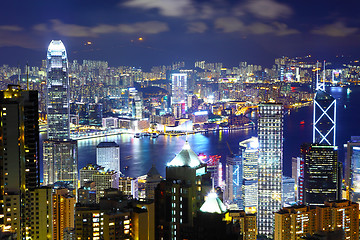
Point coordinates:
[(270, 133), (250, 156), (58, 111)]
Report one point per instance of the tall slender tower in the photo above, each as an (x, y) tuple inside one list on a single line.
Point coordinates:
[(270, 134), (59, 152), (324, 118), (58, 110), (19, 156)]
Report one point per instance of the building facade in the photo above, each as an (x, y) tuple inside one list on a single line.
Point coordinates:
[(270, 133), (108, 156)]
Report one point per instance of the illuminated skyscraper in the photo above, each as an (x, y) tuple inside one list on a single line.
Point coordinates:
[(19, 159), (324, 125), (250, 156), (59, 152), (324, 118), (270, 132), (321, 174), (60, 162), (58, 110), (352, 168), (179, 90), (108, 156), (234, 180), (181, 195)]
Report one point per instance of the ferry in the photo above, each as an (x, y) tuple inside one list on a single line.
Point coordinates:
[(137, 135), (154, 135)]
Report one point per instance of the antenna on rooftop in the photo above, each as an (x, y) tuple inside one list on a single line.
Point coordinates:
[(27, 76)]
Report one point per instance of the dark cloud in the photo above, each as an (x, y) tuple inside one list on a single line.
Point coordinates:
[(337, 29), (197, 27), (268, 9)]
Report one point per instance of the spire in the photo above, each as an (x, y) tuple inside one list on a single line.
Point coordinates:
[(213, 204)]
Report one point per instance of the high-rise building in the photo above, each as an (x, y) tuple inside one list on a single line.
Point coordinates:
[(58, 110), (297, 173), (321, 174), (250, 156), (60, 162), (270, 133), (292, 223), (324, 125), (297, 222), (63, 212), (105, 180), (352, 169), (288, 191), (87, 172), (153, 178), (95, 114), (181, 195), (129, 186), (179, 89), (234, 180), (19, 156), (108, 156)]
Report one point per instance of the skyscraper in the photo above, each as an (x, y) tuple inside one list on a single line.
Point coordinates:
[(179, 89), (59, 152), (60, 162), (58, 110), (270, 132), (234, 180), (324, 124), (250, 156), (19, 157), (352, 168), (321, 174), (181, 195), (108, 156)]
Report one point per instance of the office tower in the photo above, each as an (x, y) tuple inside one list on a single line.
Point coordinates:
[(234, 180), (60, 162), (87, 172), (270, 133), (129, 186), (292, 223), (288, 191), (19, 155), (95, 114), (249, 149), (108, 156), (321, 174), (297, 173), (181, 195), (105, 180), (352, 169), (299, 221), (58, 110), (138, 107), (179, 89), (324, 123), (63, 212), (87, 194), (153, 178)]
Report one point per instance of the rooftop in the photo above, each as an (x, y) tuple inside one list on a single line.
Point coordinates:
[(186, 157)]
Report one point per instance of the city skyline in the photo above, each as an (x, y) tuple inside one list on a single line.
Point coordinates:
[(131, 32)]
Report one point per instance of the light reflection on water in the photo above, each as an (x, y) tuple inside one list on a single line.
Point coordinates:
[(138, 154)]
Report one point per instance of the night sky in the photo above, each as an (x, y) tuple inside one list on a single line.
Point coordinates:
[(256, 31)]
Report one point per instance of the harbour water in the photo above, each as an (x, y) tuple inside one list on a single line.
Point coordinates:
[(138, 154)]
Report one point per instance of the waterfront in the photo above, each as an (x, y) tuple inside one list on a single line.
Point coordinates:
[(139, 154)]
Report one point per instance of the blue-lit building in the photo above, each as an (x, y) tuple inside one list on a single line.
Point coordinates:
[(250, 156), (355, 175), (58, 110), (288, 191), (234, 180)]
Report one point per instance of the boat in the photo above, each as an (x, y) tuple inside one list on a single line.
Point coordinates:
[(137, 135), (302, 122), (154, 135), (146, 134)]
